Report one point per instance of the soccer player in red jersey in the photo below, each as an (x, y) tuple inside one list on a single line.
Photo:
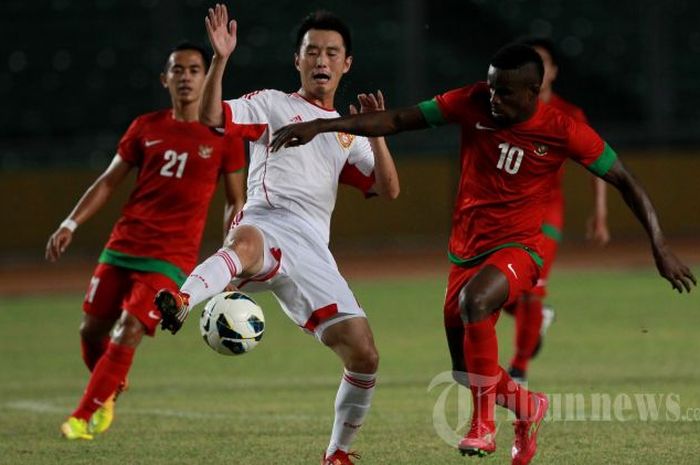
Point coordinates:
[(512, 149), (155, 242), (531, 318)]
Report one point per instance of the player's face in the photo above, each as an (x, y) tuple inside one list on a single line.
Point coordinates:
[(550, 69), (513, 94), (184, 78), (321, 61)]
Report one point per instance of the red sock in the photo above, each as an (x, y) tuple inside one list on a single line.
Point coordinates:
[(514, 397), (481, 358), (528, 321), (93, 351), (109, 372)]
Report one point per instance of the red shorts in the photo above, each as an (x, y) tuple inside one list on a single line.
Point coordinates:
[(113, 289), (515, 263)]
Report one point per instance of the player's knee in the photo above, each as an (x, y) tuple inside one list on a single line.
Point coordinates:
[(92, 333), (248, 245), (129, 331), (473, 306), (365, 360)]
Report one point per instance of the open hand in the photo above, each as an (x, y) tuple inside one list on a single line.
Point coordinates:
[(671, 268), (57, 244), (369, 102), (221, 31)]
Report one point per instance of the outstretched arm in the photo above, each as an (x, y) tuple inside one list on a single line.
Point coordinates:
[(92, 201), (374, 124), (386, 181), (669, 266), (222, 35)]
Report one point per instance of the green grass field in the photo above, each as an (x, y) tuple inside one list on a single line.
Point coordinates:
[(616, 333)]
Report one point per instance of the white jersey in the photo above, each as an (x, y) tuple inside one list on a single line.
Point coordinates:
[(304, 179)]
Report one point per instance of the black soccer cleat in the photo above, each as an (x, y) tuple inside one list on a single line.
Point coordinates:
[(174, 308)]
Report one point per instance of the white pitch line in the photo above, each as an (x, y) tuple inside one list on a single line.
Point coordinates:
[(51, 407)]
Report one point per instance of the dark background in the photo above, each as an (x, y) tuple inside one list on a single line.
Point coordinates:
[(73, 74)]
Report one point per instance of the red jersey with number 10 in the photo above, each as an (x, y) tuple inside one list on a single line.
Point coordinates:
[(507, 173), (179, 164)]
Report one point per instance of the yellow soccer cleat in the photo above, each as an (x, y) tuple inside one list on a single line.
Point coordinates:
[(75, 428), (101, 420)]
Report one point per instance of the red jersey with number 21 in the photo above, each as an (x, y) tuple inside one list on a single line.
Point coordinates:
[(507, 172), (179, 164)]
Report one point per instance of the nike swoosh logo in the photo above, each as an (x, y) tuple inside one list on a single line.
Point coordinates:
[(98, 401), (154, 315), (150, 143), (481, 127), (510, 267)]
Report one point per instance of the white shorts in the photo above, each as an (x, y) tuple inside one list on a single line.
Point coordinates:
[(300, 271)]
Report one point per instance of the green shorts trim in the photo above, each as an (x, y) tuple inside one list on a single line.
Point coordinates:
[(151, 265), (477, 259)]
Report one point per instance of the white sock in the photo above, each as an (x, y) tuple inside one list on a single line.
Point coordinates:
[(212, 276), (351, 406)]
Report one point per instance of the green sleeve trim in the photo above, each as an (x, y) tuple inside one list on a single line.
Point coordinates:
[(151, 265), (477, 259), (604, 162), (432, 113), (552, 232)]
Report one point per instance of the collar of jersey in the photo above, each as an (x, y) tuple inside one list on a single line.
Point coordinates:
[(312, 103)]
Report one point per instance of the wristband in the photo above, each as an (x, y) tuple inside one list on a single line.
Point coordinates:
[(69, 224)]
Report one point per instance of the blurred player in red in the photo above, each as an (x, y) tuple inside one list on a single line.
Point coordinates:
[(512, 149), (155, 242), (532, 318)]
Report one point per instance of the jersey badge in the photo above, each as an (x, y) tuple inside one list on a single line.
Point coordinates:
[(345, 139), (205, 151), (540, 149)]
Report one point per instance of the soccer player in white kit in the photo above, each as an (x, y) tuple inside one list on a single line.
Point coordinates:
[(279, 242)]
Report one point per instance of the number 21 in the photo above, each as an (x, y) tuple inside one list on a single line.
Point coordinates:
[(171, 158)]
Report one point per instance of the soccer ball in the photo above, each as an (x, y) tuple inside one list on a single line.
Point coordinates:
[(232, 323)]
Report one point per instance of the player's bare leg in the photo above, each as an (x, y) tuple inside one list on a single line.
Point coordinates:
[(352, 340), (243, 255)]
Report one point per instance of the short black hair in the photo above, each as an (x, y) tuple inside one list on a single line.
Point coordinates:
[(544, 43), (189, 46), (325, 21), (515, 55)]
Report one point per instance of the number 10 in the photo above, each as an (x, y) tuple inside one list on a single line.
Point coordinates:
[(511, 157)]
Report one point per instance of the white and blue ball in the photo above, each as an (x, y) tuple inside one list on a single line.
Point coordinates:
[(232, 323)]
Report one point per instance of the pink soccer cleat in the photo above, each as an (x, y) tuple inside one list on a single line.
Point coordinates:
[(525, 444)]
